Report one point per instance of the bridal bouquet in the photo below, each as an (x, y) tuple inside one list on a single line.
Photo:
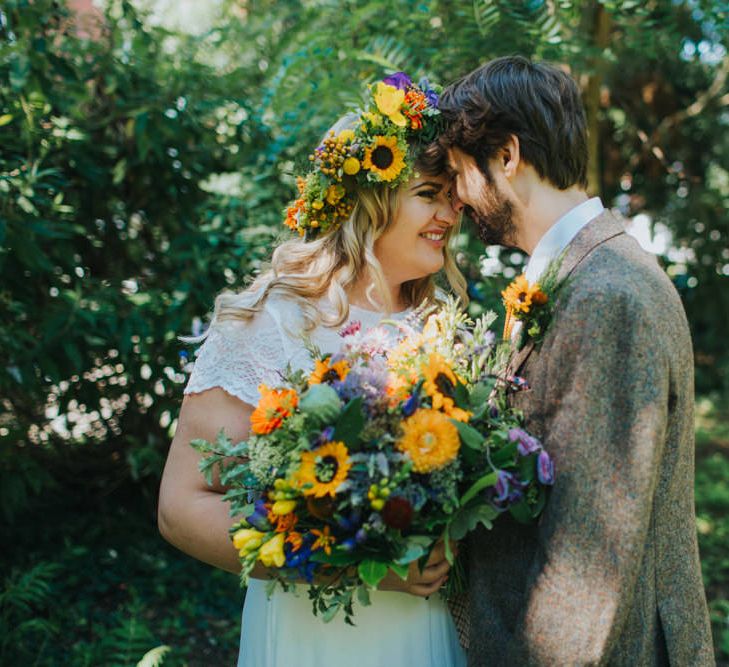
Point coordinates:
[(401, 439)]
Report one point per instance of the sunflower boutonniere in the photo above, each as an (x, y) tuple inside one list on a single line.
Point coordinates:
[(532, 304)]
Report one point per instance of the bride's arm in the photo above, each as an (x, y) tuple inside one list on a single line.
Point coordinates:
[(191, 514)]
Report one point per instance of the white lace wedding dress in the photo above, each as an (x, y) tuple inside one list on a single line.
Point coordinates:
[(398, 628)]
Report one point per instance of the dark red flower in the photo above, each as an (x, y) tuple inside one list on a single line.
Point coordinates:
[(397, 513)]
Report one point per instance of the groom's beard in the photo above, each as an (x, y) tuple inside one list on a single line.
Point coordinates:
[(494, 220)]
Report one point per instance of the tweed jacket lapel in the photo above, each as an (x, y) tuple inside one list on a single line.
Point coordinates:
[(604, 227)]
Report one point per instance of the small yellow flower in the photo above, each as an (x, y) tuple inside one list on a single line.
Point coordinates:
[(335, 193), (430, 439), (317, 205), (272, 552), (351, 166), (373, 119), (345, 135), (324, 540), (389, 102), (247, 539)]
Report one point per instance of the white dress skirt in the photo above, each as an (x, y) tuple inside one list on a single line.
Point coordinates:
[(397, 628)]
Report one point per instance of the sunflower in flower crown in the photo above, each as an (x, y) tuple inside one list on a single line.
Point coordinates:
[(379, 148)]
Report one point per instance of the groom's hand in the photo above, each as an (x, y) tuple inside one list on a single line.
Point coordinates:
[(419, 583)]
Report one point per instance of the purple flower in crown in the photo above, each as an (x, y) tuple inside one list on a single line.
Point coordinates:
[(430, 94), (545, 468), (527, 444), (399, 80)]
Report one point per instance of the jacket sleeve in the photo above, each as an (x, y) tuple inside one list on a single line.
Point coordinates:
[(605, 424)]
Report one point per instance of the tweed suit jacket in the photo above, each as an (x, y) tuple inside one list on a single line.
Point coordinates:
[(610, 574)]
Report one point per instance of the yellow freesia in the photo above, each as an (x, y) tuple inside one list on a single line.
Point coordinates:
[(281, 507), (247, 539), (272, 553), (389, 101)]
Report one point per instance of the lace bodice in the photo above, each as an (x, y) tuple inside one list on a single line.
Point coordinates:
[(238, 356)]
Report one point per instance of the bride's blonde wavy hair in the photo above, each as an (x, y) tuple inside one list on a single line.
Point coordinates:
[(326, 267)]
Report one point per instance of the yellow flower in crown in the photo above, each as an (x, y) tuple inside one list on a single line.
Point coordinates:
[(326, 371), (271, 553), (440, 384), (384, 157), (430, 440), (323, 470), (520, 295), (389, 102)]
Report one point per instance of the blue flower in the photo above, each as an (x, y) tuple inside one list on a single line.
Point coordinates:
[(411, 405), (399, 80), (326, 435), (545, 468), (259, 518)]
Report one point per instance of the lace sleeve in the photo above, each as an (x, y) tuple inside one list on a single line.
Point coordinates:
[(237, 356)]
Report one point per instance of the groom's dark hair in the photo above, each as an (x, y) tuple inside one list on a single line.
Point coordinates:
[(536, 102)]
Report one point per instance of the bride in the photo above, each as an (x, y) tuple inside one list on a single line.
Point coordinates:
[(374, 219)]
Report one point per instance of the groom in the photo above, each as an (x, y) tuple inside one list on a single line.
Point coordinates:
[(610, 574)]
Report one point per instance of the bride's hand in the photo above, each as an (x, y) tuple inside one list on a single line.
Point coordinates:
[(419, 583)]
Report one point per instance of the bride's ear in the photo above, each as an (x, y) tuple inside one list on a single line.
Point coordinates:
[(510, 156)]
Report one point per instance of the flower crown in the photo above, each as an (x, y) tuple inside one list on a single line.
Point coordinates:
[(399, 118)]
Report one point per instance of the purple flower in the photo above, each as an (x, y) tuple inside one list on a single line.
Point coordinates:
[(493, 411), (410, 406), (527, 443), (259, 518), (326, 435), (430, 94), (399, 80), (360, 536), (501, 489), (545, 468)]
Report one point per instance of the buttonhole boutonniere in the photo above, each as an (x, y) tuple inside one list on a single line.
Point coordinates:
[(532, 304)]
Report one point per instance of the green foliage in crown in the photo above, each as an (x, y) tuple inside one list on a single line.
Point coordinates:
[(400, 117)]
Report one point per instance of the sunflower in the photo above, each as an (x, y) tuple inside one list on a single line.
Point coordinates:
[(273, 407), (324, 469), (440, 384), (430, 439), (520, 295), (325, 371), (384, 157)]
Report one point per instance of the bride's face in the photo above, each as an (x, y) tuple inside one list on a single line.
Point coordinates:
[(413, 246)]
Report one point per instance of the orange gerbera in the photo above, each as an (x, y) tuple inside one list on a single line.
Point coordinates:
[(324, 540), (273, 407), (326, 371), (430, 440)]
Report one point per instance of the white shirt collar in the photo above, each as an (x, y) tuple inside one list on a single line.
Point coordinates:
[(560, 234)]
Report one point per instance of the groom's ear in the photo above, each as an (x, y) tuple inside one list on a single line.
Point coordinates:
[(510, 156)]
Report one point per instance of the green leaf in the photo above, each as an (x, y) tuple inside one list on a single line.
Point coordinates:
[(480, 394), (416, 547), (487, 480), (350, 423), (363, 596), (469, 435), (467, 518), (5, 119), (400, 569), (372, 572)]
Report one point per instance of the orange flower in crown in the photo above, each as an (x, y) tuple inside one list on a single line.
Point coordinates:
[(273, 407)]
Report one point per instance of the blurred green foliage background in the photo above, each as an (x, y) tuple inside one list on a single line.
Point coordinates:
[(144, 169)]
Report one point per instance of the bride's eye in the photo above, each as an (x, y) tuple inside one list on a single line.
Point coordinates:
[(428, 194)]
